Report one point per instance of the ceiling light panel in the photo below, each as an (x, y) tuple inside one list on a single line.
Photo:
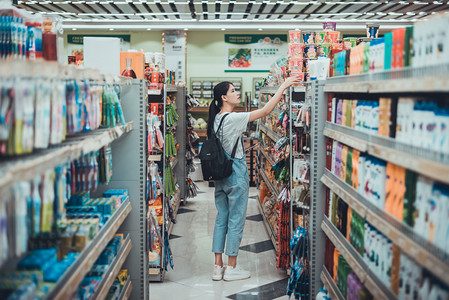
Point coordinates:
[(241, 10)]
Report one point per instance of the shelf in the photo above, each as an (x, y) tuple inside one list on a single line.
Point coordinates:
[(376, 287), (299, 89), (270, 133), (127, 289), (171, 88), (355, 87), (173, 162), (431, 79), (422, 161), (25, 168), (154, 157), (416, 247), (113, 270), (269, 89), (206, 109), (268, 157), (201, 132), (270, 185), (268, 226), (69, 282), (154, 271), (330, 285), (175, 215), (348, 136), (155, 92)]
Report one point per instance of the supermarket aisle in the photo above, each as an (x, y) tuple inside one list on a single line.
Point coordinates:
[(191, 243)]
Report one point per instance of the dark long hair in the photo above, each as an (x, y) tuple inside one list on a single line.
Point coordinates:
[(220, 89)]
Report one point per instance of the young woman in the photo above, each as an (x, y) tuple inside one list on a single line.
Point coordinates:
[(231, 194)]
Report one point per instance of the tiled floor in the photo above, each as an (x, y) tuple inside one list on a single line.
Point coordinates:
[(191, 243)]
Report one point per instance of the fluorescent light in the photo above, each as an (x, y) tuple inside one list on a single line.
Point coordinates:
[(111, 29), (185, 29), (223, 29), (74, 29), (260, 29), (148, 29)]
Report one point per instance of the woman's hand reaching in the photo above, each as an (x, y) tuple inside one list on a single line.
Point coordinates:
[(289, 82)]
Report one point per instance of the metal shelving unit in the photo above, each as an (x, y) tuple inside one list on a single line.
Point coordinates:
[(416, 247), (129, 169), (376, 287), (420, 81), (113, 270), (72, 278), (179, 170), (317, 191)]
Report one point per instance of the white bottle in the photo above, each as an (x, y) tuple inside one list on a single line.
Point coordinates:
[(322, 295)]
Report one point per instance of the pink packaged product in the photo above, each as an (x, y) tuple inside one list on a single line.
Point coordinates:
[(296, 64), (295, 36), (296, 50)]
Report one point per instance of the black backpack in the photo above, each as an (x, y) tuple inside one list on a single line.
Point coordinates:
[(214, 163)]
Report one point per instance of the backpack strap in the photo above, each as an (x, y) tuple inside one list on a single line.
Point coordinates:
[(235, 147), (221, 123)]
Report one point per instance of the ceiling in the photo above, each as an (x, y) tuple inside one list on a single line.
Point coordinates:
[(232, 14)]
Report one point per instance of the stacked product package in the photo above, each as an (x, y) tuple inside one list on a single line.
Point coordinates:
[(308, 51), (422, 44)]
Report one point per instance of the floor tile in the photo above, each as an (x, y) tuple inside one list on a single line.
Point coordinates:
[(174, 236), (265, 292), (183, 210), (258, 247), (257, 218)]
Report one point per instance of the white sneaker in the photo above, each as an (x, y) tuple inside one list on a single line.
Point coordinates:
[(218, 272), (235, 273)]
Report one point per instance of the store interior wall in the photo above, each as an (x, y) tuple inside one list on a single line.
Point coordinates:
[(205, 52)]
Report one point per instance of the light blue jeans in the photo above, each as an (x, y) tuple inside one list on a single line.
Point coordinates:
[(231, 201)]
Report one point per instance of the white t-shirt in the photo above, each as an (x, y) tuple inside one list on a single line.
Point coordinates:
[(233, 127)]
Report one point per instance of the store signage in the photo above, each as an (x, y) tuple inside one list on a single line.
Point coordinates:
[(175, 53), (253, 52), (75, 47)]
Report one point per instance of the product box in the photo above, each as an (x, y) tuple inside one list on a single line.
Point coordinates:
[(157, 109), (137, 63), (388, 37), (408, 46), (384, 116), (398, 48)]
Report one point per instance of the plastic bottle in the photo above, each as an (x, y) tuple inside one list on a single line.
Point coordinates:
[(322, 295)]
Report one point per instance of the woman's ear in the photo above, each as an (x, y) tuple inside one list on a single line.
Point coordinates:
[(223, 97)]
